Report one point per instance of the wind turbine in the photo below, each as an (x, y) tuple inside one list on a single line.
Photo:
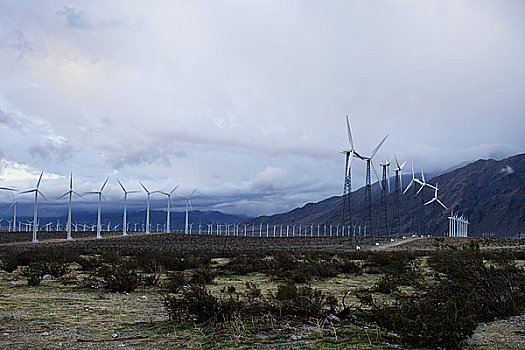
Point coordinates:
[(435, 199), (99, 193), (35, 217), (347, 190), (416, 219), (14, 211), (70, 193), (188, 203), (125, 224), (169, 202), (147, 206), (368, 193), (398, 185)]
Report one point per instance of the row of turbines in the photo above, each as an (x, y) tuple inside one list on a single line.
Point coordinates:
[(69, 194), (384, 183)]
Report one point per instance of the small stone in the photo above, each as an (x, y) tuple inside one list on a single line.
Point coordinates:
[(333, 318), (47, 277), (114, 335), (295, 337), (45, 334)]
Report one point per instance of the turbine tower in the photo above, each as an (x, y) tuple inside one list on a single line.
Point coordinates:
[(70, 193), (368, 192), (99, 193), (35, 216), (125, 224), (169, 202), (346, 217), (398, 185), (188, 203), (415, 209), (385, 182)]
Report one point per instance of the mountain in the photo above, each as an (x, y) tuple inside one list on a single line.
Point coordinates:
[(490, 193)]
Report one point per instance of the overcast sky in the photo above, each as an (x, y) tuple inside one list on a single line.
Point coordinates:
[(246, 100)]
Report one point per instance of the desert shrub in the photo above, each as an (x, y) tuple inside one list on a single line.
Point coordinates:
[(253, 291), (89, 262), (445, 310), (242, 264), (32, 274), (11, 261), (120, 276), (54, 268), (149, 279), (174, 282), (195, 303), (443, 317), (299, 301), (498, 289), (203, 275)]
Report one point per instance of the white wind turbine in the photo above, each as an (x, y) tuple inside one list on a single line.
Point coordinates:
[(413, 181), (70, 193), (423, 183), (125, 224), (14, 210), (169, 202), (37, 192), (147, 206), (99, 193), (435, 199), (188, 203)]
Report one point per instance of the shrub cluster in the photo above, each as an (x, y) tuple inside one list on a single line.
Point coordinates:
[(446, 310)]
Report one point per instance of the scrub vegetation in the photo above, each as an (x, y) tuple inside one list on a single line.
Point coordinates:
[(432, 294)]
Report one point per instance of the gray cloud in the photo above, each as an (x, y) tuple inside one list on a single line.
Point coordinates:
[(246, 101), (74, 17)]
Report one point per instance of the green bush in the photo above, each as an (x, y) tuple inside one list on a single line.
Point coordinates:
[(121, 276), (33, 274), (299, 301)]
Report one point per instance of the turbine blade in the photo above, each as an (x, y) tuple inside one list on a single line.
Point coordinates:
[(443, 205), (173, 190), (62, 196), (121, 186), (71, 181), (144, 187), (40, 193), (351, 157), (7, 189), (409, 185), (397, 163), (104, 185), (28, 191), (375, 172), (400, 178), (430, 201), (422, 185), (349, 132), (422, 176), (39, 179), (191, 206), (191, 195), (78, 194), (378, 146)]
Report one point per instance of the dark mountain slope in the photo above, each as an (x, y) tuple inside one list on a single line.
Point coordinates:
[(490, 193)]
